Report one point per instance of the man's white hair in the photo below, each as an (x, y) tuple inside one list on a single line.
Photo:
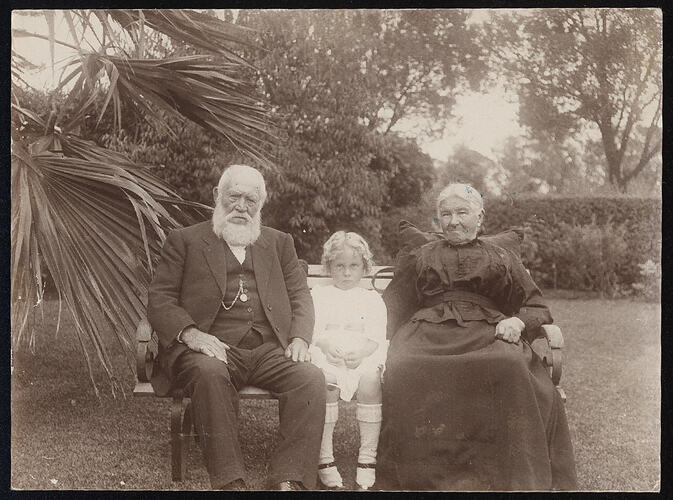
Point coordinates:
[(464, 191), (233, 170)]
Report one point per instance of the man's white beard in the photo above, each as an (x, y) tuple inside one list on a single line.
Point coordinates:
[(236, 234)]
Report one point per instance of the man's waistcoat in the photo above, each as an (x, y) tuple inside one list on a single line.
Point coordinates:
[(230, 326)]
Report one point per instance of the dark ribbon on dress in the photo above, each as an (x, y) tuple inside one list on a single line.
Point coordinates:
[(460, 295)]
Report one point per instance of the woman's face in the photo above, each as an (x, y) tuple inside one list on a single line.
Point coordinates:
[(459, 219), (347, 269)]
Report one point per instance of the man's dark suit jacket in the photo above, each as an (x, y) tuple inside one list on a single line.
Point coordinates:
[(191, 280)]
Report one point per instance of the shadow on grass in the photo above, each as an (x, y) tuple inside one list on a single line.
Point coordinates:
[(64, 437)]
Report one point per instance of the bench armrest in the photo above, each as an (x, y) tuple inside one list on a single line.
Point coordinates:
[(554, 359), (554, 336), (144, 353), (384, 270)]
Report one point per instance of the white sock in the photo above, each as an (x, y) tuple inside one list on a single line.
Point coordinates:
[(369, 421), (329, 476)]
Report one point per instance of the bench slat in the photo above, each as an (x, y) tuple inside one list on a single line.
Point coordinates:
[(144, 389), (381, 283), (316, 270), (316, 277)]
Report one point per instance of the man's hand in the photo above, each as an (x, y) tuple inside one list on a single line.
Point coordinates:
[(509, 329), (298, 350), (204, 343)]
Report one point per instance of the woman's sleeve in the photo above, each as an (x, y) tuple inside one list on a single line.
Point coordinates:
[(526, 301), (377, 317), (375, 325), (400, 296)]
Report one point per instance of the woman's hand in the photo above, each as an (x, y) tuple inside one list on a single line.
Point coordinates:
[(509, 329)]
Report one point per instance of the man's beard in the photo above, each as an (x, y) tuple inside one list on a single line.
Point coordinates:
[(236, 234)]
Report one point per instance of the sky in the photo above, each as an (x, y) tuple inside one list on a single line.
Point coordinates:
[(483, 120)]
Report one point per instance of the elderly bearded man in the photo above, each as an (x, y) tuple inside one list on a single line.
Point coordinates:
[(231, 307)]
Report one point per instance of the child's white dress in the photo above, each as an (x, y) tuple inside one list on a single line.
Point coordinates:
[(349, 317)]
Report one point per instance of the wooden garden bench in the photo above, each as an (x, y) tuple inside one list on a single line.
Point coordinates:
[(548, 348)]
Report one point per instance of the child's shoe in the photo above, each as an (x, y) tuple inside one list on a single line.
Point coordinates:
[(365, 476), (329, 477)]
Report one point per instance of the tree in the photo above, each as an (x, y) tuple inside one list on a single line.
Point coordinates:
[(575, 67), (337, 83), (468, 166), (90, 215), (537, 164)]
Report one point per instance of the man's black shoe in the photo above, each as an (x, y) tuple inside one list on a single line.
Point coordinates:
[(235, 485), (289, 486)]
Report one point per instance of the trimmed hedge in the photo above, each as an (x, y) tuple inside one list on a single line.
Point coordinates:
[(630, 234), (595, 244)]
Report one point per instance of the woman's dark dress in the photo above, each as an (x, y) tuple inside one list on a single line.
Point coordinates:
[(463, 410)]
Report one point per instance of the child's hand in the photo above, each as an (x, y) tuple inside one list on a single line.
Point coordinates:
[(335, 351), (333, 360), (325, 344), (354, 358)]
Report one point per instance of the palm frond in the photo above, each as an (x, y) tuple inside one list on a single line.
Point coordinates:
[(96, 221), (89, 216), (19, 65), (190, 27), (205, 91)]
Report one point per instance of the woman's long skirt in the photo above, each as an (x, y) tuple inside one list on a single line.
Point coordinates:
[(465, 411)]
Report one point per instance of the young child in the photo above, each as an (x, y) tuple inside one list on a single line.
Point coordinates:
[(349, 344)]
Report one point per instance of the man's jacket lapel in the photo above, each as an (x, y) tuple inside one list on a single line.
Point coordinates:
[(214, 251), (262, 261)]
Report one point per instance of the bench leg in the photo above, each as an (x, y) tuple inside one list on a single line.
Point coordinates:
[(179, 442), (562, 393), (188, 429)]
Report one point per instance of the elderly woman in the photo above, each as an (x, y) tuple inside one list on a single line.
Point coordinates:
[(466, 404)]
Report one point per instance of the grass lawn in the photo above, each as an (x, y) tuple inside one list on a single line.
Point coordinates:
[(64, 437)]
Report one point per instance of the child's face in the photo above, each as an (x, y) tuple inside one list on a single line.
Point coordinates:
[(347, 269)]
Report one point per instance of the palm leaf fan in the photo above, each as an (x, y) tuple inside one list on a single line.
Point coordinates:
[(87, 214)]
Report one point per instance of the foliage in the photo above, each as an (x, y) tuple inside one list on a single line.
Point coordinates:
[(538, 164), (368, 176), (551, 221), (650, 284), (421, 214), (189, 159), (382, 65), (338, 82), (468, 166), (90, 216), (578, 66), (590, 256), (567, 241)]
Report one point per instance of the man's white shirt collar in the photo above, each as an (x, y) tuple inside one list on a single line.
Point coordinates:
[(238, 251)]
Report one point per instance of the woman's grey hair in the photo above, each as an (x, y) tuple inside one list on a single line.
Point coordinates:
[(464, 191), (232, 170), (341, 239)]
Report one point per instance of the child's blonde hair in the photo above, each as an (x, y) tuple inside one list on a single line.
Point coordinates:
[(342, 239)]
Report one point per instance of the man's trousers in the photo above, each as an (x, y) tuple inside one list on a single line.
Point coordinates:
[(213, 388)]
